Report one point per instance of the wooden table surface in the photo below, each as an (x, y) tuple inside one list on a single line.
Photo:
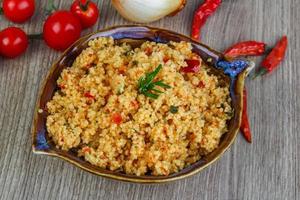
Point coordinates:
[(269, 168)]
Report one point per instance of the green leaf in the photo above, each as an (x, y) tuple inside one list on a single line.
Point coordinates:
[(157, 91), (161, 84), (151, 95), (146, 84)]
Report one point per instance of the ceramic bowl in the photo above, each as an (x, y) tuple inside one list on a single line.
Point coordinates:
[(233, 72)]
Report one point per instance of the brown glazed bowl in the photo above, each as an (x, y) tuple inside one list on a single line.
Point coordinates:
[(233, 72)]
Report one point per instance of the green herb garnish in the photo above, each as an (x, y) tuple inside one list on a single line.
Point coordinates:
[(173, 109), (146, 84)]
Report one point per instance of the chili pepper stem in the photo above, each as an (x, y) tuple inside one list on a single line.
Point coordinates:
[(1, 11), (37, 36), (260, 72)]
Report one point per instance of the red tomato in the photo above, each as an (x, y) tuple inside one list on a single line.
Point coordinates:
[(13, 42), (18, 11), (86, 11), (116, 118), (61, 29)]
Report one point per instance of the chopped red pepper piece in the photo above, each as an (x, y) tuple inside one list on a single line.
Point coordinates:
[(122, 69), (116, 118), (89, 95), (62, 86), (201, 84), (193, 66), (202, 13), (148, 51), (274, 58), (86, 150), (135, 104), (166, 59), (245, 126), (247, 48)]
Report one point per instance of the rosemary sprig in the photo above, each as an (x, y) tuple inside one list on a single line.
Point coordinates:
[(146, 84)]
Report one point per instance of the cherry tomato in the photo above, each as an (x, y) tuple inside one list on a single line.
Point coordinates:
[(13, 42), (86, 11), (18, 11), (61, 29)]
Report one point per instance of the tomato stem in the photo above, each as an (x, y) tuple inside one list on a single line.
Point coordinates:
[(84, 7), (37, 36)]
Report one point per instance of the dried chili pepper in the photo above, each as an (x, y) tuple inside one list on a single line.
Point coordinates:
[(245, 127), (202, 13), (247, 48), (274, 58)]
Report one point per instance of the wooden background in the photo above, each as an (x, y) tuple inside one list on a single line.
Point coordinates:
[(267, 169)]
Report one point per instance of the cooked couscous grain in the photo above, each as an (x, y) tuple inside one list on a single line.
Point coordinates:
[(99, 110)]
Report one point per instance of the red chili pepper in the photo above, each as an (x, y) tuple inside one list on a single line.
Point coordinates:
[(193, 66), (247, 48), (202, 13), (89, 95), (245, 127), (274, 58), (116, 118)]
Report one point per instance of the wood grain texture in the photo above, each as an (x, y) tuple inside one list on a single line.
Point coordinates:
[(267, 169)]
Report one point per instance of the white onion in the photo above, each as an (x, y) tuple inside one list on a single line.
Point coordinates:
[(144, 11)]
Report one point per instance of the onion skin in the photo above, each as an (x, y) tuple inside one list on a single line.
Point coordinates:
[(182, 5), (144, 11)]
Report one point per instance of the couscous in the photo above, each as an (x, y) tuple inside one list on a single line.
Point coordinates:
[(120, 118)]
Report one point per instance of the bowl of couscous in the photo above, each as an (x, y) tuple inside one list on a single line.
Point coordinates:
[(139, 104)]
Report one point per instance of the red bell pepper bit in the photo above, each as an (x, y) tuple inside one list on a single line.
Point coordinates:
[(201, 84), (62, 86), (274, 58), (166, 59), (86, 150), (193, 66), (89, 95), (116, 118), (135, 104), (148, 51)]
